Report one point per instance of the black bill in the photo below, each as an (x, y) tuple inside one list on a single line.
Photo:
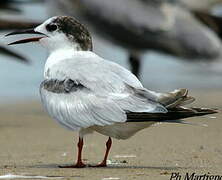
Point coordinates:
[(28, 31)]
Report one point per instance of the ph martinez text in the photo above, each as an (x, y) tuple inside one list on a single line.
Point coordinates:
[(194, 176)]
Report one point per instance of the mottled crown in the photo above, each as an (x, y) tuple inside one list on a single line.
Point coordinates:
[(74, 30)]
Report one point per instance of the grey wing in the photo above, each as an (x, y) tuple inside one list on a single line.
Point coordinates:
[(81, 109), (106, 78), (105, 98)]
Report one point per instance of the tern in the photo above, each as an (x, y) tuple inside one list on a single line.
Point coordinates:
[(84, 92)]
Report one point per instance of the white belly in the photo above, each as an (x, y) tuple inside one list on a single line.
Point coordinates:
[(122, 130), (58, 106)]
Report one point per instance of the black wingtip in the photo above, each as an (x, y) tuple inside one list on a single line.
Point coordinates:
[(173, 114), (205, 111)]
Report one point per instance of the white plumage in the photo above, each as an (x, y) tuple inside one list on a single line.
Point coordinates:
[(110, 91)]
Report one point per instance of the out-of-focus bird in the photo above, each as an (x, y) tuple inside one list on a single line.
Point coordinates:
[(10, 6), (203, 11), (142, 25), (85, 93), (6, 24)]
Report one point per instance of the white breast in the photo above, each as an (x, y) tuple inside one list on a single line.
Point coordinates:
[(55, 57), (58, 105), (61, 55)]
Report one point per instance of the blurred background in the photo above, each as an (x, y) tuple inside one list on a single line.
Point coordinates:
[(168, 43)]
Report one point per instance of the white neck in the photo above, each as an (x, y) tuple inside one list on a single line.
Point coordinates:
[(61, 54), (56, 56)]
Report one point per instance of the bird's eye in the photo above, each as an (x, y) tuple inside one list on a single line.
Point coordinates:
[(51, 27)]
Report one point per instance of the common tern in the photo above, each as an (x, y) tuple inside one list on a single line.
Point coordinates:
[(84, 92)]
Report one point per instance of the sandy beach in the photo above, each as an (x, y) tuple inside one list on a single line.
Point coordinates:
[(31, 143)]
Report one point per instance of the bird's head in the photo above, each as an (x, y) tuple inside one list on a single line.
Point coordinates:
[(59, 32)]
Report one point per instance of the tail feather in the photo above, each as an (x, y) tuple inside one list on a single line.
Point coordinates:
[(176, 98), (187, 100), (170, 116), (174, 102)]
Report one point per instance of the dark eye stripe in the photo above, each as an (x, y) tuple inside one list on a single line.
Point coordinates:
[(51, 27)]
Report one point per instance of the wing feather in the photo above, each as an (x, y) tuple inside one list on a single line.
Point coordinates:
[(82, 109), (109, 92)]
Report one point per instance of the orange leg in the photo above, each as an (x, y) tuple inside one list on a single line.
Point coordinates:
[(108, 146), (79, 163)]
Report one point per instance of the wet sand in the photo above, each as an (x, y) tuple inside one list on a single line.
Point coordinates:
[(31, 143)]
